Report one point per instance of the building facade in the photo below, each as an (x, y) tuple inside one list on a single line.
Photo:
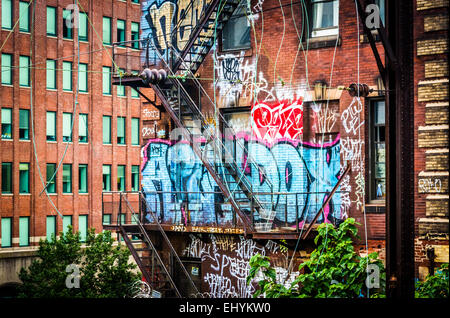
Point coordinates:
[(60, 113)]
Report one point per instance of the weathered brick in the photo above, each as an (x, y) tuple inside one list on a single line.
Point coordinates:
[(433, 136), (433, 182), (434, 90), (432, 46), (436, 160), (437, 205), (436, 114), (433, 226), (436, 68), (435, 23), (431, 4)]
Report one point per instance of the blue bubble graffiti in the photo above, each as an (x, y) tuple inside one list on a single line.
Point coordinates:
[(310, 171)]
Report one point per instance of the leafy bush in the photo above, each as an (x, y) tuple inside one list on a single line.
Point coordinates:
[(333, 270), (104, 268), (434, 286)]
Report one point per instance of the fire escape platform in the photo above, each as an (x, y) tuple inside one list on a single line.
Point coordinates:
[(281, 234), (134, 81)]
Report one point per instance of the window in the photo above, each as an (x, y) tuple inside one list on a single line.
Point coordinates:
[(51, 183), (67, 76), (7, 14), (121, 88), (106, 80), (135, 35), (67, 24), (135, 131), (24, 16), (83, 77), (67, 178), (83, 227), (67, 127), (107, 30), (120, 178), (24, 71), (67, 221), (121, 32), (7, 177), (51, 126), (83, 128), (83, 26), (325, 17), (82, 178), (24, 124), (51, 21), (51, 227), (121, 124), (134, 178), (51, 74), (377, 151), (135, 1), (106, 177), (24, 178), (106, 129), (236, 33), (6, 232), (6, 123), (6, 69), (106, 219), (24, 231), (134, 92)]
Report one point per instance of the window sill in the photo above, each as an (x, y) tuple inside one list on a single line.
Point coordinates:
[(7, 85), (27, 194), (323, 42), (25, 140), (52, 89), (7, 194), (24, 32), (52, 36), (83, 193), (67, 194), (10, 139), (52, 141)]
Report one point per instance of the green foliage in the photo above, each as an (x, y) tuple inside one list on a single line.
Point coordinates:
[(333, 270), (104, 268), (434, 286)]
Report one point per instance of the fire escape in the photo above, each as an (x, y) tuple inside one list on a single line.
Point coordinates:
[(172, 76)]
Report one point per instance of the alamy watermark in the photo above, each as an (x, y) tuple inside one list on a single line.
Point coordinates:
[(73, 279)]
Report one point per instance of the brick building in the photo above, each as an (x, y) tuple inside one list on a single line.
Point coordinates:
[(266, 83), (55, 76)]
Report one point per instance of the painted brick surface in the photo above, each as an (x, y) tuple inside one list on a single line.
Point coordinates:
[(431, 4), (432, 46), (436, 114), (434, 137), (433, 182), (437, 206), (433, 90), (436, 69), (436, 23), (437, 160)]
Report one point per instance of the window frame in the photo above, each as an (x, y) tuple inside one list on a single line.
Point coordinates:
[(322, 32), (22, 59), (25, 239), (109, 139), (227, 28), (66, 81), (7, 177), (109, 24), (83, 118), (69, 178), (25, 131), (83, 231), (54, 230), (67, 138), (83, 77), (23, 5), (67, 31), (85, 166), (121, 121), (10, 231), (121, 178), (84, 38), (121, 32), (51, 71), (11, 15), (372, 193), (106, 184), (135, 136), (5, 125), (55, 18), (54, 136), (106, 77), (135, 35), (28, 187), (48, 175), (134, 175), (65, 225), (9, 72)]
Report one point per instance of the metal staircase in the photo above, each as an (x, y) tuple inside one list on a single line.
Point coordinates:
[(214, 17), (151, 263)]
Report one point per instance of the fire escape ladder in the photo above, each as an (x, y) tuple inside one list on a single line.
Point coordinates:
[(149, 262), (194, 50)]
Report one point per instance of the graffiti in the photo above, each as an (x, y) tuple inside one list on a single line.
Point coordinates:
[(148, 131), (258, 7), (225, 262), (148, 114), (430, 185), (345, 195), (303, 173), (160, 16), (324, 119), (280, 120), (351, 119)]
